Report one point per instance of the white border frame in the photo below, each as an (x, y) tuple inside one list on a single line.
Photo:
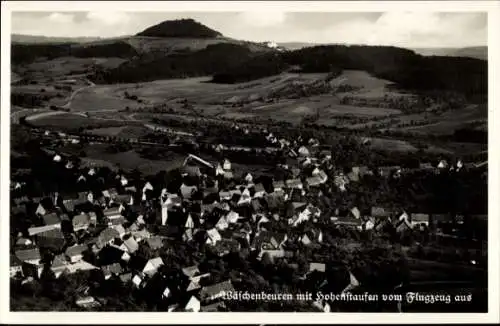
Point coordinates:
[(493, 9)]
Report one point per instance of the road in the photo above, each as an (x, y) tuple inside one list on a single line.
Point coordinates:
[(72, 96), (16, 115)]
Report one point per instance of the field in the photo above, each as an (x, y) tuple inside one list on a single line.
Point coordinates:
[(110, 107), (67, 121), (223, 100), (122, 131), (66, 66)]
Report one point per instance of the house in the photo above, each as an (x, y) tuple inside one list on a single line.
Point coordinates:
[(278, 185), (245, 198), (353, 283), (16, 266), (259, 190), (320, 267), (272, 254), (369, 223), (305, 240), (120, 229), (59, 265), (111, 270), (87, 302), (137, 280), (107, 236), (441, 219), (193, 305), (426, 166), (214, 307), (248, 178), (189, 224), (386, 171), (355, 213), (79, 266), (216, 291), (403, 226), (130, 243), (75, 253), (442, 164), (419, 219), (51, 219), (226, 165), (125, 199), (113, 213), (194, 283), (213, 236), (190, 271), (126, 277), (155, 242), (348, 222), (379, 212), (306, 214), (232, 217), (382, 224), (314, 181), (81, 221), (222, 224), (192, 165), (187, 191), (52, 239), (187, 235), (294, 183), (41, 229), (341, 181), (141, 234), (225, 195), (320, 304), (303, 151), (152, 266), (109, 193)]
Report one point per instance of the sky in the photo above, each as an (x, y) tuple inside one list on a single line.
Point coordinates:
[(404, 29)]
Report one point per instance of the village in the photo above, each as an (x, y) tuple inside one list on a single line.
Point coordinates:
[(173, 243)]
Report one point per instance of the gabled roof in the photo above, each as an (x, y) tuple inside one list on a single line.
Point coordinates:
[(111, 211), (40, 229), (155, 262), (75, 250), (15, 261), (348, 221), (81, 265), (28, 254), (112, 269), (379, 212), (320, 267), (190, 271), (81, 220), (293, 183), (51, 234), (215, 289), (108, 234), (51, 218), (155, 242), (418, 217)]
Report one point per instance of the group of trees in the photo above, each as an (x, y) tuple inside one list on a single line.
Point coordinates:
[(26, 53)]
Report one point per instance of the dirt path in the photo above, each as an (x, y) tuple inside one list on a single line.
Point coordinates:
[(72, 96)]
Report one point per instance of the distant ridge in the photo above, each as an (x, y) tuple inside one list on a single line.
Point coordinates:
[(478, 52), (180, 28), (38, 39)]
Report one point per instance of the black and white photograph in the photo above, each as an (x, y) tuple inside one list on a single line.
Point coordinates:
[(252, 160)]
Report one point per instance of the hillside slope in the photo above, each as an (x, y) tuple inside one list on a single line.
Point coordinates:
[(477, 52)]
